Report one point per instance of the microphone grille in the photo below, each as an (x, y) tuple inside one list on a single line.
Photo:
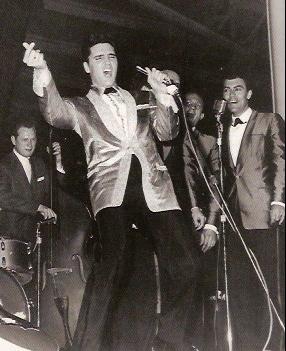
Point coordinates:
[(219, 106)]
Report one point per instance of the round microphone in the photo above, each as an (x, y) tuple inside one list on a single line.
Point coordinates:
[(219, 106)]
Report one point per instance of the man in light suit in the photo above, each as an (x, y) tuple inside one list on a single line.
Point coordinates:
[(254, 161), (23, 186), (128, 183)]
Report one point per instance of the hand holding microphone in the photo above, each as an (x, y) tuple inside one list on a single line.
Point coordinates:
[(159, 81)]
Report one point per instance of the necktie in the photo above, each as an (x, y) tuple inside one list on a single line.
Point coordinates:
[(237, 121)]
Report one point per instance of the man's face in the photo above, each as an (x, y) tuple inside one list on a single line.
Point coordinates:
[(25, 141), (236, 94), (194, 108), (102, 65)]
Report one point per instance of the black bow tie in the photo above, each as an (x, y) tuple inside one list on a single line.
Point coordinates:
[(109, 90), (106, 91), (237, 121)]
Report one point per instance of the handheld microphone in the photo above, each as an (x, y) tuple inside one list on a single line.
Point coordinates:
[(219, 107), (172, 89), (41, 220)]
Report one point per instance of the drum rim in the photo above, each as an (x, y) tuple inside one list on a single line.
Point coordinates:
[(23, 293), (3, 238), (50, 339)]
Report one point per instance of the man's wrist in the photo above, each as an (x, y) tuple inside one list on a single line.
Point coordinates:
[(211, 227), (196, 208), (166, 100), (41, 79)]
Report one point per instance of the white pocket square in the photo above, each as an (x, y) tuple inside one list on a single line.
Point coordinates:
[(40, 179)]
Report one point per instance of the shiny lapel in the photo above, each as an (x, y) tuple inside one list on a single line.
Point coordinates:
[(246, 139), (105, 114), (131, 112)]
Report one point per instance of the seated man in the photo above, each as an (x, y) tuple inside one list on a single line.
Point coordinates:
[(23, 186)]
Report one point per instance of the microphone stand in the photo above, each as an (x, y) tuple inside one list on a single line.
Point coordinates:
[(223, 232)]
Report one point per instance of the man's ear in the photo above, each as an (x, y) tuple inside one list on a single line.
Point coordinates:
[(86, 67), (249, 94), (13, 139)]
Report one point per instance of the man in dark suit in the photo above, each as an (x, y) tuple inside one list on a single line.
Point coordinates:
[(204, 212), (254, 161), (128, 183), (207, 151), (23, 186)]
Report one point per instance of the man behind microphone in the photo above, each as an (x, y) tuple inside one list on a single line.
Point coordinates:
[(254, 161), (128, 183), (204, 212)]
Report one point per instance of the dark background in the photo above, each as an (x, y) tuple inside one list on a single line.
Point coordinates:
[(196, 38)]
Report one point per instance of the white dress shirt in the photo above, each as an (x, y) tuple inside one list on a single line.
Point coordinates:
[(235, 138), (25, 161), (236, 134)]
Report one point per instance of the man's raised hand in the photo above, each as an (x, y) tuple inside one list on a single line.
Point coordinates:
[(33, 58)]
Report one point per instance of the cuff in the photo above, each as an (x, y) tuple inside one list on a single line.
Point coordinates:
[(60, 169), (41, 79), (278, 203), (211, 227), (196, 208), (168, 101)]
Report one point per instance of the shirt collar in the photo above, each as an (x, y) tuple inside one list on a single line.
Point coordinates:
[(100, 91), (21, 158), (244, 116)]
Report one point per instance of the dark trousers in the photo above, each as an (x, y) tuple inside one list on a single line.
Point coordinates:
[(248, 302), (171, 242)]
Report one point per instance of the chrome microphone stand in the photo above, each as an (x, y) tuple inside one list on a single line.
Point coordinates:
[(219, 107), (38, 245)]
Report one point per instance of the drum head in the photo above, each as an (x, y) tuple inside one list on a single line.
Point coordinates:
[(12, 296), (15, 257), (18, 338)]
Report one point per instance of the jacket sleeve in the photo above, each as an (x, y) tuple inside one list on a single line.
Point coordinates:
[(10, 201), (277, 139), (191, 173), (213, 160), (194, 180), (57, 111), (164, 121)]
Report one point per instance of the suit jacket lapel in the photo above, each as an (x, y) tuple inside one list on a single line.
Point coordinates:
[(106, 115), (229, 160), (20, 173), (131, 112), (246, 139)]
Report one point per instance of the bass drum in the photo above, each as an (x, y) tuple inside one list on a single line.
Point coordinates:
[(17, 338), (12, 297), (15, 257)]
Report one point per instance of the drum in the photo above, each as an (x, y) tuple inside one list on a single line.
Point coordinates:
[(16, 338), (15, 257), (12, 297)]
